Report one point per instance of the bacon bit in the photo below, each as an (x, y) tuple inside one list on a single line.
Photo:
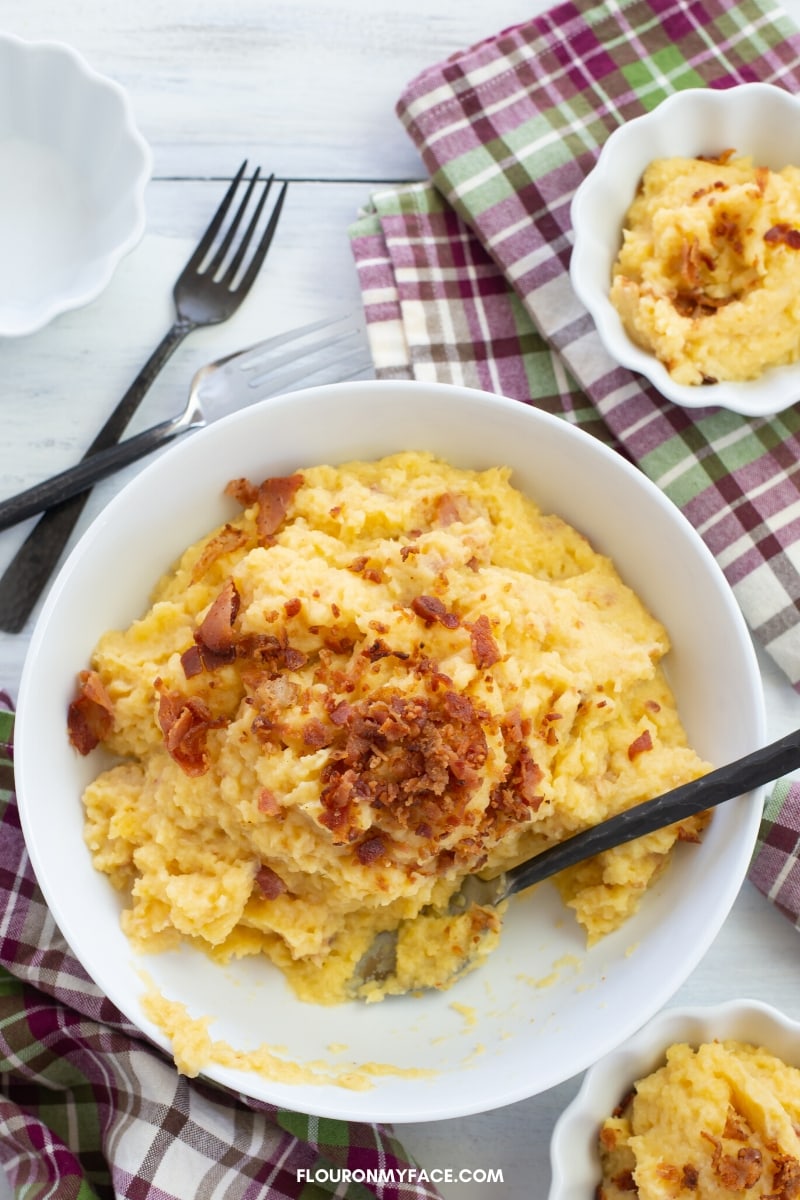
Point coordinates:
[(690, 258), (270, 651), (316, 735), (653, 706), (640, 745), (342, 713), (406, 550), (274, 498), (431, 609), (225, 542), (370, 850), (269, 883), (625, 1103), (379, 649), (762, 179), (690, 1177), (268, 803), (785, 1178), (527, 776), (783, 235), (242, 491), (608, 1138), (668, 1172), (624, 1181), (720, 159), (446, 509), (739, 1173), (372, 575), (484, 647), (292, 607), (90, 716), (716, 186), (192, 662), (215, 633), (735, 1127), (358, 564), (185, 722)]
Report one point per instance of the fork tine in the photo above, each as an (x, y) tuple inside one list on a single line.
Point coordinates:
[(236, 261), (219, 258), (206, 241), (263, 246)]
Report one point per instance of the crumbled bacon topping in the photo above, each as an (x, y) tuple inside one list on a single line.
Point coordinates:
[(783, 235), (185, 722), (640, 744), (785, 1178), (431, 609), (370, 850), (90, 717), (739, 1173), (413, 759), (269, 882), (484, 647), (268, 803), (690, 1177), (273, 497), (215, 632), (225, 542)]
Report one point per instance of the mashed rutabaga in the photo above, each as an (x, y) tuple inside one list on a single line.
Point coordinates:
[(372, 681), (720, 1121), (708, 276)]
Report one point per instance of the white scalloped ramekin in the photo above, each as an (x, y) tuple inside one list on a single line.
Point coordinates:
[(74, 170), (755, 119), (574, 1154)]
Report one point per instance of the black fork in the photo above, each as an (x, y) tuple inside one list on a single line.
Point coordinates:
[(209, 290)]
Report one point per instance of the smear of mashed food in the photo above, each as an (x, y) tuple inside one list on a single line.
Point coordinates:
[(373, 680), (716, 1122), (708, 276)]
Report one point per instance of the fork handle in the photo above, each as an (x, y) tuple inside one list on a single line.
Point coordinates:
[(724, 783), (27, 574), (91, 469)]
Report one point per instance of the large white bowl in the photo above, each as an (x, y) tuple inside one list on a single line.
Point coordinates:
[(573, 1150), (524, 1038), (753, 119), (74, 170)]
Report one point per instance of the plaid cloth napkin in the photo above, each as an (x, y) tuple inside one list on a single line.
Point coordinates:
[(465, 279), (91, 1110)]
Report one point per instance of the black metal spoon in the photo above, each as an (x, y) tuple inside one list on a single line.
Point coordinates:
[(762, 766)]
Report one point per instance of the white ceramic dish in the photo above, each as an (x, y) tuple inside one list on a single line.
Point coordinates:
[(753, 119), (74, 170), (573, 1154), (524, 1038)]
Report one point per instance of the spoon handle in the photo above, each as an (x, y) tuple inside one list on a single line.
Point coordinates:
[(724, 783)]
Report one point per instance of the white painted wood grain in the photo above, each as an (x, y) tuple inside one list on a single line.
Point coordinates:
[(309, 85)]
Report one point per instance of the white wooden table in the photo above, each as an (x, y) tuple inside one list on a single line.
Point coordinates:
[(307, 89)]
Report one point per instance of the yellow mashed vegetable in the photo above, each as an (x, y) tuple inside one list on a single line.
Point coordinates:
[(707, 277), (716, 1122), (374, 680)]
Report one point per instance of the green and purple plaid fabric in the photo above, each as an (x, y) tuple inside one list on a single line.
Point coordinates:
[(465, 278), (775, 869), (91, 1110)]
